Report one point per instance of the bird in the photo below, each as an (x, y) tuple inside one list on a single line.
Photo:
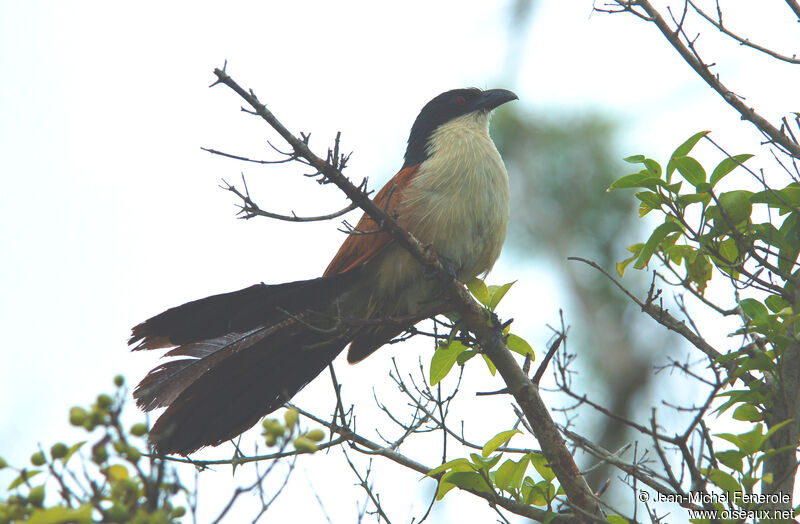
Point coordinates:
[(244, 354)]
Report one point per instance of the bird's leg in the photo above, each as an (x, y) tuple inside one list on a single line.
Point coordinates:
[(449, 265)]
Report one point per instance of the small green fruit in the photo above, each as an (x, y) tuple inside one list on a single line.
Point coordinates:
[(133, 454), (104, 401), (36, 496), (178, 512), (99, 454), (77, 416), (270, 439), (119, 381), (273, 427), (304, 444), (315, 435), (37, 459), (59, 450), (139, 430), (291, 417)]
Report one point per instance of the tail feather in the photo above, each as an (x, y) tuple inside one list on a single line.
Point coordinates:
[(249, 352), (233, 395), (163, 384), (236, 312)]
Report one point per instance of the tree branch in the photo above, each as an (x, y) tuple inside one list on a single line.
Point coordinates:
[(743, 41), (775, 135)]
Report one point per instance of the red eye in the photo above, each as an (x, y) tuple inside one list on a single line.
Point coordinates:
[(460, 100)]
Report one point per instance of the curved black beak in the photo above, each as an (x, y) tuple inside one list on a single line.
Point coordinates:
[(494, 98)]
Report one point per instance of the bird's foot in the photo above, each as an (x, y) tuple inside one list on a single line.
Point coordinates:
[(449, 265)]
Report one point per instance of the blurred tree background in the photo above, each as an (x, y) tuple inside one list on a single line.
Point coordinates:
[(560, 165)]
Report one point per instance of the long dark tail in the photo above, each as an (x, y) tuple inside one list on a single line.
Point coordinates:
[(245, 353)]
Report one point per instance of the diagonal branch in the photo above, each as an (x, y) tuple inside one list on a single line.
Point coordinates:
[(691, 57), (742, 40), (663, 317), (794, 6)]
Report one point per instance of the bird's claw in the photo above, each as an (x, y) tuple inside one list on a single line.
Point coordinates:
[(449, 265)]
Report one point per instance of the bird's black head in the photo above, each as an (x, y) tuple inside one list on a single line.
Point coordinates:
[(446, 107)]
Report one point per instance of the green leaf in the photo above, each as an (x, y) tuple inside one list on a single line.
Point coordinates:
[(643, 179), (699, 270), (684, 150), (690, 169), (479, 290), (459, 464), (496, 294), (752, 440), (443, 359), (723, 480), (541, 466), (692, 198), (729, 251), (737, 206), (519, 345), (634, 159), (489, 364), (655, 239), (754, 309), (484, 463), (504, 477), (747, 412), (730, 458), (783, 199), (726, 166), (72, 449), (497, 441), (616, 519), (465, 355), (650, 199), (24, 476), (776, 303), (775, 428), (466, 480)]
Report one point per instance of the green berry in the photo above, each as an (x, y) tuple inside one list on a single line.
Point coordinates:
[(178, 512), (104, 401), (36, 496), (273, 427), (133, 454), (99, 454), (270, 439), (77, 416), (139, 430), (291, 417), (315, 435), (119, 380), (304, 444), (37, 459), (59, 450)]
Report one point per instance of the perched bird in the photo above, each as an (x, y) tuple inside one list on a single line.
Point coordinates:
[(246, 353)]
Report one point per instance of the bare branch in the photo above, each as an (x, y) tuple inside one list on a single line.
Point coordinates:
[(691, 57), (744, 41)]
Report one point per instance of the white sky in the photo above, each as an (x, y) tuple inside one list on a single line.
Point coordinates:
[(110, 212)]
